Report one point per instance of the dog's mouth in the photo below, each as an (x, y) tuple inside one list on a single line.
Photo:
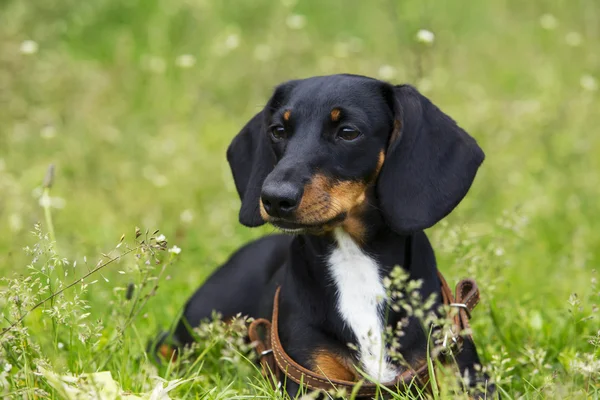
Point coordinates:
[(294, 227)]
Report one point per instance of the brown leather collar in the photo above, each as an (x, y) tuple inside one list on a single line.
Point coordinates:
[(276, 362)]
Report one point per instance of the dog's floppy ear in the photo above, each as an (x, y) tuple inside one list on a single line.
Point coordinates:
[(429, 166), (251, 159)]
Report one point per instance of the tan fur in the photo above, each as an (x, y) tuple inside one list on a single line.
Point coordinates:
[(333, 366), (335, 114), (380, 161), (349, 194), (167, 352), (354, 225), (287, 114), (395, 133), (263, 212), (325, 199)]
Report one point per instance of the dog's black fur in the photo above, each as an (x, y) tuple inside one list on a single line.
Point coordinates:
[(381, 162)]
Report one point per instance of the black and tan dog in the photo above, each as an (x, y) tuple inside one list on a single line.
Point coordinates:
[(353, 169)]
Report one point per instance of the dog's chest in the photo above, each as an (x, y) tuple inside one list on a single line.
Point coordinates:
[(361, 295)]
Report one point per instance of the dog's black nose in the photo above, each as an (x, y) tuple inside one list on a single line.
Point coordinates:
[(280, 199)]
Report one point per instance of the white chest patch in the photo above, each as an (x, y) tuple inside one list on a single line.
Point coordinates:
[(360, 293)]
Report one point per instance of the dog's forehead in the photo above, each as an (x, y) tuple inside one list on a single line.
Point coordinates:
[(334, 91)]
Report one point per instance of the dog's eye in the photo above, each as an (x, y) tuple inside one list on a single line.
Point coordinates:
[(278, 133), (348, 133)]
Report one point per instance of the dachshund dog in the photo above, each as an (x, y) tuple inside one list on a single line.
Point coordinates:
[(352, 170)]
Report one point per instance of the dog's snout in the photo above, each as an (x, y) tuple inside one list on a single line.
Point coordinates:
[(280, 199)]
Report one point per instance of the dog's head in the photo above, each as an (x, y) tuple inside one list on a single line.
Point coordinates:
[(324, 147)]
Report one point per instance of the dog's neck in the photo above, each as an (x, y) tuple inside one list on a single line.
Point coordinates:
[(387, 248)]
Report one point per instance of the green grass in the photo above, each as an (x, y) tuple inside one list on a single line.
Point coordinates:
[(138, 140)]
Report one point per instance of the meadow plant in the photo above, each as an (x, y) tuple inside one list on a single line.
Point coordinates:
[(135, 103)]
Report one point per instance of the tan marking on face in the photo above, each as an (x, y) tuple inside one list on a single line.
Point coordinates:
[(287, 114), (333, 366), (354, 223), (263, 212), (335, 114), (314, 206), (348, 194), (380, 161), (325, 199)]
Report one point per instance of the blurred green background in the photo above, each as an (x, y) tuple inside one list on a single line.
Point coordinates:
[(136, 101)]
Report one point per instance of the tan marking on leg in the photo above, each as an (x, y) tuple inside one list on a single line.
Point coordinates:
[(287, 114), (335, 114), (333, 366), (168, 352)]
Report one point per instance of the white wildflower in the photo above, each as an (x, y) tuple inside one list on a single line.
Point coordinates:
[(60, 345), (296, 21), (425, 36), (185, 61), (586, 365), (535, 321), (29, 47), (573, 39), (54, 202), (186, 216), (110, 133), (15, 221), (589, 83), (160, 180), (7, 367), (161, 238), (232, 41), (175, 250), (153, 175), (548, 21), (386, 72), (48, 132)]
